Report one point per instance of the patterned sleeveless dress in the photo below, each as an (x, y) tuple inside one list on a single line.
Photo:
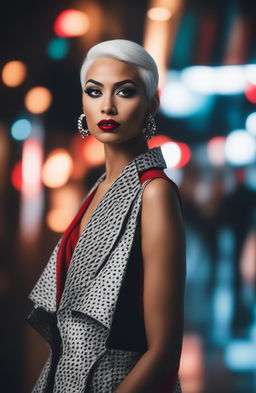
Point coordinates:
[(67, 247)]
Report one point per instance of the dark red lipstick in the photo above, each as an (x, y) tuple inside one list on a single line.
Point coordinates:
[(108, 124)]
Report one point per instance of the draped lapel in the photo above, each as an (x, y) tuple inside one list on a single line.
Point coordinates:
[(44, 292), (100, 236)]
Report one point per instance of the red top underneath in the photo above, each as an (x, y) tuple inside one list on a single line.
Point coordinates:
[(70, 239)]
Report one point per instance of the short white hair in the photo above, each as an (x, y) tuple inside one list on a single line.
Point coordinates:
[(127, 51)]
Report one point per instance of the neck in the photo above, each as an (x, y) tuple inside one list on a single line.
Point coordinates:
[(119, 155)]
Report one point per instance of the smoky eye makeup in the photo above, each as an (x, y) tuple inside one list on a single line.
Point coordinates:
[(127, 91), (124, 91), (91, 90)]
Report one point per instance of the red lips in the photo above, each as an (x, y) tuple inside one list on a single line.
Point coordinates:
[(107, 125), (106, 122)]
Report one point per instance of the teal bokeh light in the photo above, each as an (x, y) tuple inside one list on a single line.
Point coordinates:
[(57, 48), (21, 129), (178, 101)]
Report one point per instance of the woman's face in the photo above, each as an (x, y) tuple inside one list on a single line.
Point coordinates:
[(114, 91)]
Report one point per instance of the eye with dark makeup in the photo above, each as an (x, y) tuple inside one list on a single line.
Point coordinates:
[(91, 90), (128, 92)]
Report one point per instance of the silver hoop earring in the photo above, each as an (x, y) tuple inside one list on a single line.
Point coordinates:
[(149, 128), (84, 132)]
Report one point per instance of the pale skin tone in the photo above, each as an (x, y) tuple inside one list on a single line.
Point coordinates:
[(162, 228)]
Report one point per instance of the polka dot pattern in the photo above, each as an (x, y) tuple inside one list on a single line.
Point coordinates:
[(44, 292), (111, 370), (84, 363)]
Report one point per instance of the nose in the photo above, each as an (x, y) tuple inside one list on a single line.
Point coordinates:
[(108, 105)]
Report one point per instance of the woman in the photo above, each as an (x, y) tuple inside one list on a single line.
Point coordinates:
[(110, 300)]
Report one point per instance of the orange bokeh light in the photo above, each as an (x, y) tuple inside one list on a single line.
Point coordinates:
[(14, 73), (57, 220), (93, 151), (64, 204), (57, 168), (71, 23), (38, 99), (160, 14)]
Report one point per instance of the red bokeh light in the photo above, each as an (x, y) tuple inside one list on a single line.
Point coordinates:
[(16, 176), (158, 140), (250, 92), (71, 23), (185, 154)]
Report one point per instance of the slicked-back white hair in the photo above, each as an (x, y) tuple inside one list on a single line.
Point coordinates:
[(127, 51)]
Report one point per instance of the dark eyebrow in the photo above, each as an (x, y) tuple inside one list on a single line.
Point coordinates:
[(115, 84)]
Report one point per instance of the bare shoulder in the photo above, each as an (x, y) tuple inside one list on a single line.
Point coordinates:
[(163, 193)]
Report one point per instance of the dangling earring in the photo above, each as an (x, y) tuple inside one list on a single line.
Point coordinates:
[(149, 128), (83, 132)]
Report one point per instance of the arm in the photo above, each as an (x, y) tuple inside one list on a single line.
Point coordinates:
[(164, 263)]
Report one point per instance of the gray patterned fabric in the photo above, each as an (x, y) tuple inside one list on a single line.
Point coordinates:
[(80, 361)]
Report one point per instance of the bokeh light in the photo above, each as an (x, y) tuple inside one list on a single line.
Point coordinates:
[(57, 168), (185, 154), (158, 140), (80, 167), (240, 355), (248, 259), (57, 220), (14, 73), (251, 123), (216, 150), (223, 80), (172, 154), (16, 176), (21, 129), (31, 206), (159, 14), (230, 79), (250, 178), (93, 151), (250, 70), (192, 364), (38, 99), (71, 23), (64, 202), (240, 148), (250, 92), (179, 101), (200, 79), (57, 48), (31, 168)]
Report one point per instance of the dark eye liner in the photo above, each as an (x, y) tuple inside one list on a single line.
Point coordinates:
[(90, 89), (130, 90)]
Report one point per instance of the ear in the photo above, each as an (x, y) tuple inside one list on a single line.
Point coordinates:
[(155, 104)]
